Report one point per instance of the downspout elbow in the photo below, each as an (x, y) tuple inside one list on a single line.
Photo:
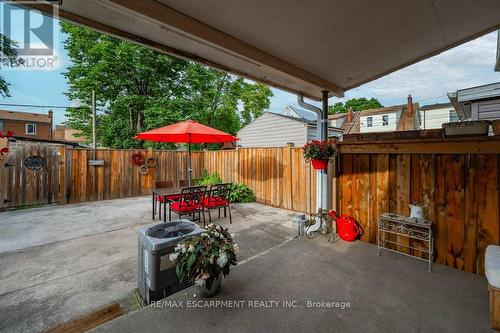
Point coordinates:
[(315, 109)]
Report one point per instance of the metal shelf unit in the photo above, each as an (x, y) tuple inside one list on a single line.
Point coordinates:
[(402, 226)]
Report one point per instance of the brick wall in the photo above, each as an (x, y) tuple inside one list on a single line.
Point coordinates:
[(19, 129)]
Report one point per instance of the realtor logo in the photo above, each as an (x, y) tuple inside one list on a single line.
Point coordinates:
[(32, 33)]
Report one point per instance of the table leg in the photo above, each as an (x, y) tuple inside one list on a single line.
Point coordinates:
[(431, 250), (153, 209), (378, 240), (165, 209)]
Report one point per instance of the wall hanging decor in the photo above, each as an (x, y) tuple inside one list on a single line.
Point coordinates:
[(151, 162), (143, 169), (34, 162), (138, 158)]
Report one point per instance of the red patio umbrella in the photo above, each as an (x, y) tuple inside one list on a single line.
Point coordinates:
[(189, 132)]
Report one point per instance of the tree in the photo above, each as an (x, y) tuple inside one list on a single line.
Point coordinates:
[(8, 56), (144, 89), (357, 104)]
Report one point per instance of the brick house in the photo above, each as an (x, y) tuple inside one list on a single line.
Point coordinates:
[(66, 133), (25, 124)]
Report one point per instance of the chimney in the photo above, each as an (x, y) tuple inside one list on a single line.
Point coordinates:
[(350, 116), (410, 105)]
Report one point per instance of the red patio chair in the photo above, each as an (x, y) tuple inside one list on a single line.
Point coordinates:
[(190, 203), (218, 197), (159, 198), (182, 183)]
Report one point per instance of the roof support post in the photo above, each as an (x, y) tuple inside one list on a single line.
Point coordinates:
[(322, 191)]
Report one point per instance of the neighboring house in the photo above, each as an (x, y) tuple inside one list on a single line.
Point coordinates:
[(292, 111), (277, 130), (66, 133), (477, 103), (435, 115), (25, 124), (386, 119)]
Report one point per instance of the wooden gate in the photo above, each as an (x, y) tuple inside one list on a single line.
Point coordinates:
[(20, 186)]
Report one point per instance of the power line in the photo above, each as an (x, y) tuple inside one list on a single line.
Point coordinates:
[(48, 106)]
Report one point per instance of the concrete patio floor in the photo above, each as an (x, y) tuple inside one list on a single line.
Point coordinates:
[(390, 293), (61, 262)]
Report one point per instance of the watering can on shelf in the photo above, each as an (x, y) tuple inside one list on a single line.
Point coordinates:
[(417, 211)]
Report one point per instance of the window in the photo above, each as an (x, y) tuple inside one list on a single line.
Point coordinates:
[(1, 125), (385, 120), (369, 121), (454, 116), (31, 129)]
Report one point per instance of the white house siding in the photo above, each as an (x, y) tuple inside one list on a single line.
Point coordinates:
[(272, 131), (338, 122), (435, 118), (312, 133), (289, 112), (488, 110), (378, 123)]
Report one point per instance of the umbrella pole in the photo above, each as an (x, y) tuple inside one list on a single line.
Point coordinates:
[(190, 170)]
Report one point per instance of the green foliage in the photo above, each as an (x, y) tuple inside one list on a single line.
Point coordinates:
[(320, 150), (144, 89), (357, 104), (241, 193), (206, 178), (8, 56), (203, 258)]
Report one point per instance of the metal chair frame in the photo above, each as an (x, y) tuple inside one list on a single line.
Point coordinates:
[(218, 192), (191, 196)]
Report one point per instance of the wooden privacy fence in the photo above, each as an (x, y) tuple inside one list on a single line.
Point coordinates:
[(462, 190), (277, 176), (458, 178), (20, 186), (118, 177)]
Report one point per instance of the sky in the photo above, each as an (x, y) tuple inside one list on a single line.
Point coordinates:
[(428, 81)]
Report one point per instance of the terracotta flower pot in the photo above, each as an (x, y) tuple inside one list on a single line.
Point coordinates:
[(319, 164)]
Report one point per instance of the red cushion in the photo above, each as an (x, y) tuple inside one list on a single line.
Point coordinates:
[(175, 197), (214, 202), (184, 207), (159, 198)]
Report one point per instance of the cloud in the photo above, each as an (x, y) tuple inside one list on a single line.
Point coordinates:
[(468, 65)]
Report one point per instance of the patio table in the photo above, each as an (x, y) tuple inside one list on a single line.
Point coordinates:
[(164, 193)]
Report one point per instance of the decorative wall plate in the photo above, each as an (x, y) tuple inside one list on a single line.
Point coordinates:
[(34, 162)]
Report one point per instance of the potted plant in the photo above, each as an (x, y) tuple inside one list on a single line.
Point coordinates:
[(320, 152), (205, 258)]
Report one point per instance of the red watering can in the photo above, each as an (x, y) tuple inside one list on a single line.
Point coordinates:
[(347, 228)]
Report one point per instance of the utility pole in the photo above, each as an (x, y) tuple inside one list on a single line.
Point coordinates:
[(94, 140)]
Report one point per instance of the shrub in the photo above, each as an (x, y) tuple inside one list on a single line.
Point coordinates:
[(241, 193), (206, 178)]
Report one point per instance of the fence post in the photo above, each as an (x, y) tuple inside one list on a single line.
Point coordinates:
[(62, 176)]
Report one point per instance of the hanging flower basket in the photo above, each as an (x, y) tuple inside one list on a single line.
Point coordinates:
[(319, 164), (320, 153)]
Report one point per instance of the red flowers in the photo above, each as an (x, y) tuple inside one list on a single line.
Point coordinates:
[(320, 150)]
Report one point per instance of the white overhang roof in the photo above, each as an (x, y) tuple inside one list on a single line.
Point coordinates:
[(300, 46)]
